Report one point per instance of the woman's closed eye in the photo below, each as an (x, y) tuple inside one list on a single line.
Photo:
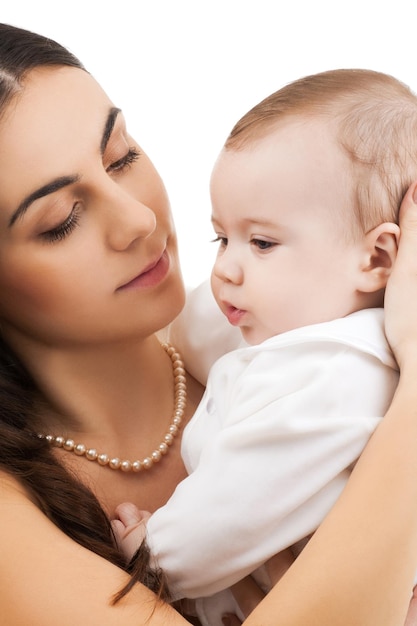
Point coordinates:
[(65, 228), (124, 162), (60, 232)]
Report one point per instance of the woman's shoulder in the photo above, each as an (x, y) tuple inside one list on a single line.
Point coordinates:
[(11, 490), (16, 504), (43, 570)]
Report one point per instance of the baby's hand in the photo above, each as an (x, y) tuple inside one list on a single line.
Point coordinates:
[(129, 528)]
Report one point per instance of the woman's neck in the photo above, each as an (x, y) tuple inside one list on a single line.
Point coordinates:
[(119, 400), (103, 390)]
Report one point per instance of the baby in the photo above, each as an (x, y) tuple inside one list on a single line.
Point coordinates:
[(305, 195)]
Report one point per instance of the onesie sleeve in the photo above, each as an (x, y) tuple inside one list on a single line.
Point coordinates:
[(269, 453)]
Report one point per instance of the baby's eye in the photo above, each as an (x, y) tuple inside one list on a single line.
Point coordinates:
[(221, 240), (262, 244)]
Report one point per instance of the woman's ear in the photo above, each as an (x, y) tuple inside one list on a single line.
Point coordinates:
[(381, 245)]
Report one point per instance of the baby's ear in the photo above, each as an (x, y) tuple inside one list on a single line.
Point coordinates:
[(380, 252)]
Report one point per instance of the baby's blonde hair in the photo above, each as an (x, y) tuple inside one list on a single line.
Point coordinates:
[(376, 121)]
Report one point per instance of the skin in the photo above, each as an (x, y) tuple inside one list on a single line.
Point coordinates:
[(107, 380), (341, 592), (86, 263), (289, 253), (99, 243), (325, 586), (284, 260)]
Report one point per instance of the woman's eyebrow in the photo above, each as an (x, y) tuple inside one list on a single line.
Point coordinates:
[(108, 128), (45, 190), (64, 181)]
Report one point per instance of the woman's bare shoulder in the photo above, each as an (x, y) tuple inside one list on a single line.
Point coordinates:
[(17, 511), (49, 570), (11, 490)]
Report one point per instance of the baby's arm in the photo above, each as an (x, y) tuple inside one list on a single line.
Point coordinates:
[(129, 528)]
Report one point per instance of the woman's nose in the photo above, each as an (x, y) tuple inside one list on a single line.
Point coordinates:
[(128, 220), (227, 268)]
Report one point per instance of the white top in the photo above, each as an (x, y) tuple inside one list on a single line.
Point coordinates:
[(270, 448)]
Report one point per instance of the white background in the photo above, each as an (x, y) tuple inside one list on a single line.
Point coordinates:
[(185, 70)]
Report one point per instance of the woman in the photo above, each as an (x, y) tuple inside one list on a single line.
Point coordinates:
[(88, 274)]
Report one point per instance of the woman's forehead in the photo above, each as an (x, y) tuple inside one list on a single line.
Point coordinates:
[(54, 121), (54, 95), (53, 101)]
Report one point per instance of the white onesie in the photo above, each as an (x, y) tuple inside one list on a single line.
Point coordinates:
[(270, 449)]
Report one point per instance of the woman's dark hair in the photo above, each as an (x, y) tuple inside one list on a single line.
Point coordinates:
[(63, 499)]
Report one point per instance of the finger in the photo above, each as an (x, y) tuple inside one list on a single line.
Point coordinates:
[(408, 224), (119, 532), (129, 514), (129, 538), (118, 528), (401, 291), (411, 619), (408, 212)]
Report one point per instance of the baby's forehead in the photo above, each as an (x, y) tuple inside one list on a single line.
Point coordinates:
[(293, 143), (297, 123), (297, 166)]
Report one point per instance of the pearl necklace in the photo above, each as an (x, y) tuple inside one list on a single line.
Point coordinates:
[(115, 463)]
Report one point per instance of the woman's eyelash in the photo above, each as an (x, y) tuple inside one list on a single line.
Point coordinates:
[(63, 230), (130, 157)]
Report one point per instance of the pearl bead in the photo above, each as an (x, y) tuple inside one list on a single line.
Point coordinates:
[(80, 449), (156, 456), (147, 462), (91, 454), (115, 463)]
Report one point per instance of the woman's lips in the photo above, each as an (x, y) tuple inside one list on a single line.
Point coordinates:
[(151, 276)]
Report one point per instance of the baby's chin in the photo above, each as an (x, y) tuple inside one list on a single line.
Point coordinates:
[(254, 336)]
